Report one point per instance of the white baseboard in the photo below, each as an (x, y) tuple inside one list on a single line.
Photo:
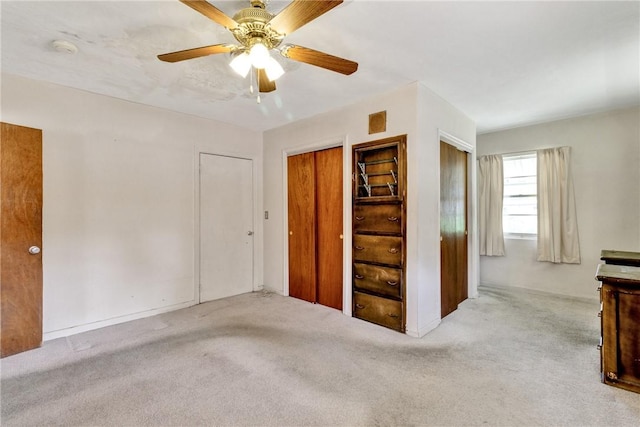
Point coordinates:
[(424, 330), (47, 336), (275, 291), (544, 292)]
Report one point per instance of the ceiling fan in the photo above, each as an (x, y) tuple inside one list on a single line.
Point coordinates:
[(258, 32)]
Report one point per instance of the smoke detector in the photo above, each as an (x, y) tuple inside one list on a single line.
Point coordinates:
[(64, 46)]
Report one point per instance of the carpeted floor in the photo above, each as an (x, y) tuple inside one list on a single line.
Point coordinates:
[(510, 357)]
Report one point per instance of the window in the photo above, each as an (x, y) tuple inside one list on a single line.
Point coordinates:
[(519, 210)]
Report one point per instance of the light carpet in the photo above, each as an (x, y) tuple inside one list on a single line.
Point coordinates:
[(510, 358)]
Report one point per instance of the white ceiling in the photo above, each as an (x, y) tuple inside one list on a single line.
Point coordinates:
[(504, 64)]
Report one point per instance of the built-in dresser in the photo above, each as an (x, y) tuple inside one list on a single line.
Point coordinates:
[(379, 241)]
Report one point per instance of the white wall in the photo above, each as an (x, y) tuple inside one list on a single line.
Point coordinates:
[(606, 172), (119, 232), (434, 116), (411, 110)]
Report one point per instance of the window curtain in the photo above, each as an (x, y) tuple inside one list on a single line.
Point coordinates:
[(491, 183), (557, 219)]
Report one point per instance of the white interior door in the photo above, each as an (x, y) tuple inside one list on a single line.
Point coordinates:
[(226, 226)]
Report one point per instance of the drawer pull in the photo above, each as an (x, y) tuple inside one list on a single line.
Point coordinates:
[(393, 250), (359, 248), (393, 219), (359, 306), (395, 316), (390, 283), (359, 218), (359, 276)]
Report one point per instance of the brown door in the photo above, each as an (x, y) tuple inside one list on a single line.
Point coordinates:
[(20, 238), (302, 226), (329, 213), (453, 227), (315, 226)]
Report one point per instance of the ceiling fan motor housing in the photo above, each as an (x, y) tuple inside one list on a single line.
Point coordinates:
[(253, 27)]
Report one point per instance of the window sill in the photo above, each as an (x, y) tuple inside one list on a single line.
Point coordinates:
[(523, 236)]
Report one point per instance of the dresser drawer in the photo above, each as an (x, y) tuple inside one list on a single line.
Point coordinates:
[(386, 218), (381, 280), (378, 310), (379, 249)]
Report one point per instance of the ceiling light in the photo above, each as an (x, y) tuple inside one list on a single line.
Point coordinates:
[(273, 69), (259, 55), (241, 64)]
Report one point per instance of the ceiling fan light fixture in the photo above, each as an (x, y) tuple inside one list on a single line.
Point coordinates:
[(273, 69), (258, 32), (241, 64), (259, 55)]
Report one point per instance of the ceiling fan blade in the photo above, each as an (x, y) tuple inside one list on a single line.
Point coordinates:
[(196, 52), (264, 83), (319, 59), (211, 12), (299, 13)]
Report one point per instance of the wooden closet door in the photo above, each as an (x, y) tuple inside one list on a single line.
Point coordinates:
[(20, 232), (329, 214), (302, 226), (453, 227)]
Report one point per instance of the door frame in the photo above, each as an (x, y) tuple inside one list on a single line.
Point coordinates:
[(473, 257), (257, 219), (339, 141)]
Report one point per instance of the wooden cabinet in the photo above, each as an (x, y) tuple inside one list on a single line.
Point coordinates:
[(379, 242), (620, 325)]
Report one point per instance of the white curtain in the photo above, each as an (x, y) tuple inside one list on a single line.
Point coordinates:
[(557, 220), (491, 184)]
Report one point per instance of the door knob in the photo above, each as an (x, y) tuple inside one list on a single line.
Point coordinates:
[(34, 250), (249, 233)]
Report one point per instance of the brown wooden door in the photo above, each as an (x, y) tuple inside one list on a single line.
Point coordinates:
[(20, 229), (302, 226), (453, 227), (329, 212), (315, 226)]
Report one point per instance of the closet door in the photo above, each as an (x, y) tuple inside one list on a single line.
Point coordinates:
[(226, 226), (302, 226), (329, 213), (315, 213), (453, 227)]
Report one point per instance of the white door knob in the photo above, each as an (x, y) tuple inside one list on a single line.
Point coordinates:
[(249, 233), (34, 250)]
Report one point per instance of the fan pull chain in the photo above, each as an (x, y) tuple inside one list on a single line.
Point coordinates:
[(251, 77)]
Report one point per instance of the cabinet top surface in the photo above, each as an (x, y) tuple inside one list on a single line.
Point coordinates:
[(618, 273), (607, 254)]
